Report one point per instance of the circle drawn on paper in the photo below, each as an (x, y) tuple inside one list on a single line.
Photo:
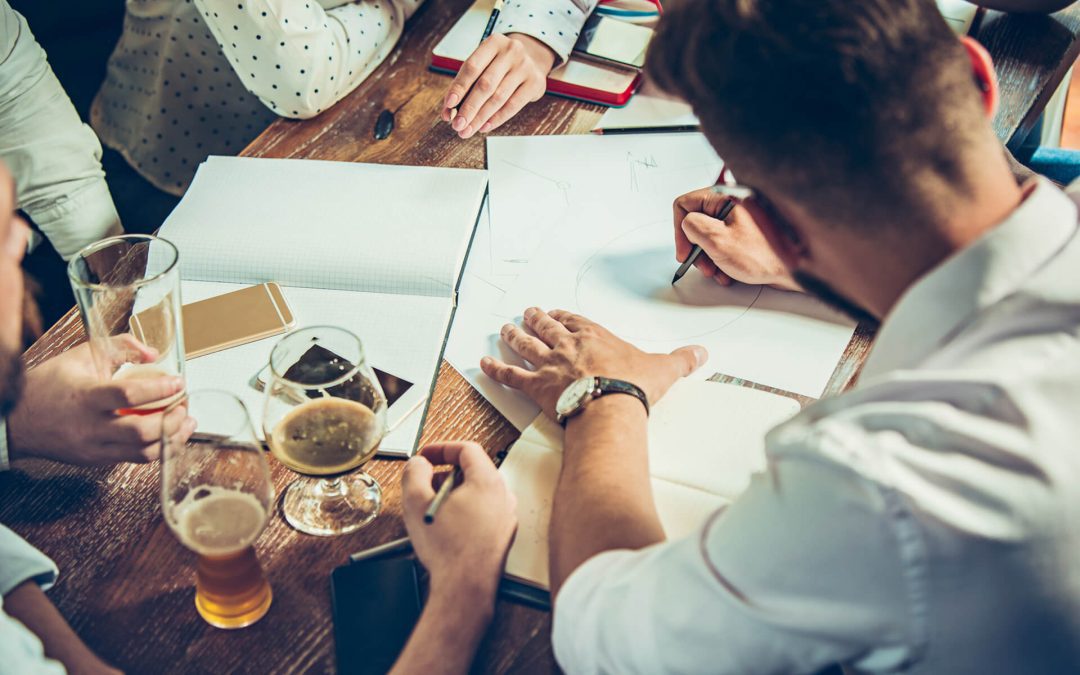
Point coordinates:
[(626, 287)]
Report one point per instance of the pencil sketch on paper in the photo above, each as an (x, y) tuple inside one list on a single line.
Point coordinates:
[(626, 286)]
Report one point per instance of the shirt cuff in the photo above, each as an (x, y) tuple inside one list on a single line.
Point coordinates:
[(557, 27), (79, 219), (20, 562)]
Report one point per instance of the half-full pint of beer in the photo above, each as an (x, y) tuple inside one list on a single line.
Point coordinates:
[(221, 525)]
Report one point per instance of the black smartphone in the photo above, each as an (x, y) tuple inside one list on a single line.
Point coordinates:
[(614, 42), (376, 605)]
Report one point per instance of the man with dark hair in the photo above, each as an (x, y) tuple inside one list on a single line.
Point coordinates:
[(927, 520)]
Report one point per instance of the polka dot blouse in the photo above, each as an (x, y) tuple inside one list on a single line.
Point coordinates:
[(191, 78)]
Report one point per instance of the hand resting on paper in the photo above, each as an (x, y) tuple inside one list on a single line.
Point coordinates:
[(68, 415), (734, 250), (503, 75), (563, 347)]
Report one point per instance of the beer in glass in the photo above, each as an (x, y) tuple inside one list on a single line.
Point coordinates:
[(217, 496), (324, 418)]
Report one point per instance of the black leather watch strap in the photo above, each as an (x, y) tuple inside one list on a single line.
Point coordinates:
[(609, 386)]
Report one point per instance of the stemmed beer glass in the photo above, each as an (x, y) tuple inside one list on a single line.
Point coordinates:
[(324, 417)]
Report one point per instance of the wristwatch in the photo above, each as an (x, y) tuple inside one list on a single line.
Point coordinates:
[(579, 393)]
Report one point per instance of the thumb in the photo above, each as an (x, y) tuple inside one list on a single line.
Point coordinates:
[(416, 490), (689, 359), (126, 348)]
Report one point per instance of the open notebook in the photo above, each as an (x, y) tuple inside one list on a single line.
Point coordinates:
[(691, 477), (575, 79), (375, 249)]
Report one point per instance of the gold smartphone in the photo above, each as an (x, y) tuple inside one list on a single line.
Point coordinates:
[(227, 320)]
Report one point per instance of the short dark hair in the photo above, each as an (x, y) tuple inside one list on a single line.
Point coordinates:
[(844, 106)]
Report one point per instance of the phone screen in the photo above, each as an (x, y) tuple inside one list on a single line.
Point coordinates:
[(614, 41), (376, 605), (319, 364)]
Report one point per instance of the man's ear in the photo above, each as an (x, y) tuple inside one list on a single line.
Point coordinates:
[(982, 68), (783, 237)]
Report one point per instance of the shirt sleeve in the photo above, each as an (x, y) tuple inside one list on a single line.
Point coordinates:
[(54, 158), (299, 58), (20, 562), (801, 572), (556, 23)]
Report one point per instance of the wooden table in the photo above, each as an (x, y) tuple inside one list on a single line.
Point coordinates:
[(126, 584)]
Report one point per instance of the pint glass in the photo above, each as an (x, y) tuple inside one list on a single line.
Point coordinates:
[(217, 496)]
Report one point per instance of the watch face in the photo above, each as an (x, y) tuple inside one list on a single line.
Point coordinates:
[(574, 396)]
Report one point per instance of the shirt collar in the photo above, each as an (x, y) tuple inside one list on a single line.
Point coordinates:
[(936, 306)]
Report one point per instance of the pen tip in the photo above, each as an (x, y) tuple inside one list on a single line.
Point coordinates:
[(675, 279), (429, 519)]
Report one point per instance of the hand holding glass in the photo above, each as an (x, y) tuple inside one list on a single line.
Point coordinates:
[(128, 290)]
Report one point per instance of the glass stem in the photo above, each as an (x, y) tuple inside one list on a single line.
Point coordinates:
[(330, 487)]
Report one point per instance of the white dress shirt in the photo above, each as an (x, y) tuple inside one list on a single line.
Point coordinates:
[(926, 521), (21, 650), (54, 158), (191, 79)]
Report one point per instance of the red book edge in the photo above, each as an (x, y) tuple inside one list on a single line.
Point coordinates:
[(559, 87)]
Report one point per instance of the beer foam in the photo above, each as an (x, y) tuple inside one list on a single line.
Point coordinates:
[(216, 521)]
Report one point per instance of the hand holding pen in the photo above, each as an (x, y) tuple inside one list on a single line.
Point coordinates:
[(728, 246)]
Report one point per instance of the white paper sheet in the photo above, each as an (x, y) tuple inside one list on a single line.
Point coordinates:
[(475, 332), (407, 349), (649, 109), (375, 249), (958, 14), (609, 255), (692, 474)]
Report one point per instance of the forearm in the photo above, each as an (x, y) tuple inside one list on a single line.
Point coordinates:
[(298, 58), (54, 157), (449, 631), (28, 604), (603, 499)]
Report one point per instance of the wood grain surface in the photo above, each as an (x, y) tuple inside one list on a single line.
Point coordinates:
[(127, 585)]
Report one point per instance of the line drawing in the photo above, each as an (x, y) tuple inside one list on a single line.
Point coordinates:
[(590, 265), (561, 185), (633, 163)]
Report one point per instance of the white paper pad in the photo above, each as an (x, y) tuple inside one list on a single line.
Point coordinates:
[(649, 109), (375, 249), (692, 474), (608, 253)]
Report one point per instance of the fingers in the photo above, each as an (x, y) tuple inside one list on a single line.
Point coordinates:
[(498, 99), (126, 348), (513, 106), (572, 321), (136, 392), (416, 489), (470, 457), (473, 67), (549, 330), (485, 86), (525, 345), (507, 375), (173, 420)]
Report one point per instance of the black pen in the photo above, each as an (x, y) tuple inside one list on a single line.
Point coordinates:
[(695, 252), (488, 30), (646, 130)]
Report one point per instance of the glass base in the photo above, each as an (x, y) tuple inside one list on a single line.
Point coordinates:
[(328, 507), (241, 616)]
